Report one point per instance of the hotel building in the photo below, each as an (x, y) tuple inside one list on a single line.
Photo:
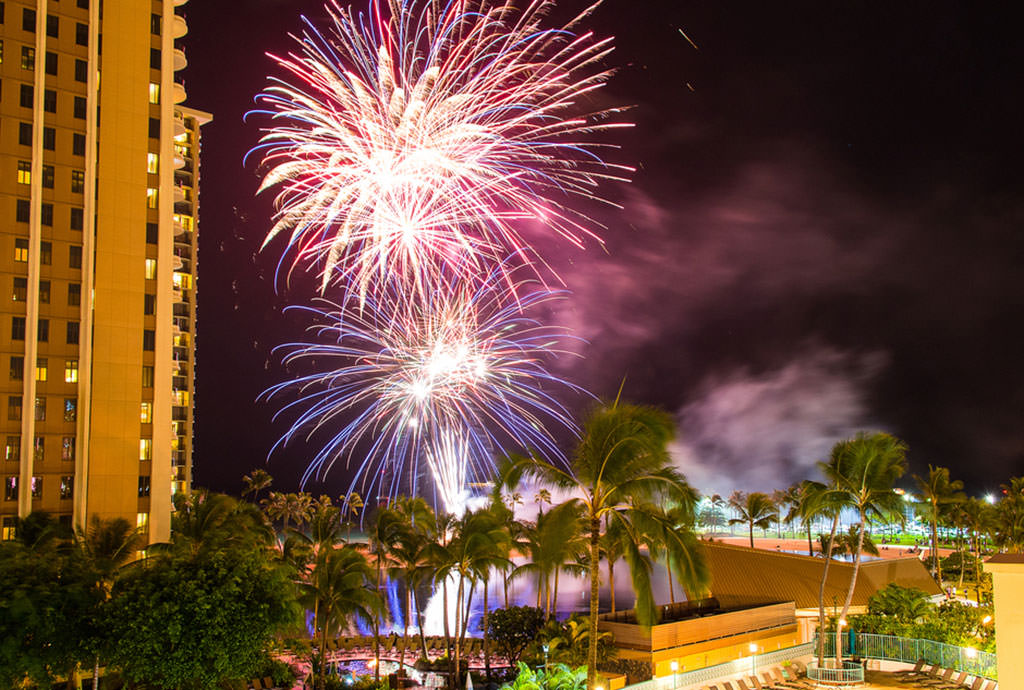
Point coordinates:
[(99, 175)]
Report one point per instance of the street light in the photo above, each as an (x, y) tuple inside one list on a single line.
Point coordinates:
[(674, 665), (753, 658), (546, 648)]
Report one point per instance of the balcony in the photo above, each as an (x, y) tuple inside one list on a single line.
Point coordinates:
[(179, 126), (180, 61), (178, 94), (178, 27), (179, 194), (179, 3)]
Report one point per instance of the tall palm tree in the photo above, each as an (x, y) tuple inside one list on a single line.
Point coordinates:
[(1007, 526), (204, 521), (936, 493), (255, 482), (622, 471), (865, 470), (554, 544), (475, 549), (337, 590), (383, 528), (106, 546), (408, 559), (805, 504), (755, 509)]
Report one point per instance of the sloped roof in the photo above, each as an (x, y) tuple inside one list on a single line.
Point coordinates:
[(741, 576)]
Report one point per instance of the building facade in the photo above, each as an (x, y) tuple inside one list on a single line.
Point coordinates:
[(99, 173)]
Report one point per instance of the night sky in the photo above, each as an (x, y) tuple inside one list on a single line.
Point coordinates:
[(824, 235)]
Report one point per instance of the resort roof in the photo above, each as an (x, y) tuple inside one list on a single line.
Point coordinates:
[(744, 576)]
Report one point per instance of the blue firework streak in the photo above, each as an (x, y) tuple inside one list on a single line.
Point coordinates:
[(440, 381)]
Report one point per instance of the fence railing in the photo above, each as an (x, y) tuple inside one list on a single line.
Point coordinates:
[(850, 674), (746, 665), (909, 650)]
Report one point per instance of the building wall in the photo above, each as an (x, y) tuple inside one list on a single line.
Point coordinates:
[(90, 189)]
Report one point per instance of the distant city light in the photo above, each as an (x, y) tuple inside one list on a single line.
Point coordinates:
[(752, 647), (990, 499)]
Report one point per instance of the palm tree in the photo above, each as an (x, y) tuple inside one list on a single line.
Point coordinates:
[(382, 531), (540, 498), (936, 493), (106, 546), (622, 470), (612, 549), (554, 544), (865, 470), (474, 550), (204, 521), (1007, 527), (351, 503), (255, 482), (805, 504), (755, 509), (409, 565), (338, 589)]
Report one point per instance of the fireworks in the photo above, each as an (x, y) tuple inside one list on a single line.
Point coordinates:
[(442, 380), (420, 138), (412, 151)]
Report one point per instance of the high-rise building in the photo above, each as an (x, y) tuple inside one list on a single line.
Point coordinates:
[(99, 174)]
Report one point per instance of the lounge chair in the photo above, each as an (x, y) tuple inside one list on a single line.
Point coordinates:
[(990, 685), (939, 679), (255, 683), (268, 683), (727, 685), (954, 683), (976, 684), (911, 671), (755, 683)]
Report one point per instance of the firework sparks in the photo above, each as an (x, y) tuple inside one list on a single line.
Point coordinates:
[(417, 140), (446, 379)]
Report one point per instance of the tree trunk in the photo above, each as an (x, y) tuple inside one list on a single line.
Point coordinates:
[(376, 630), (821, 591), (447, 630), (323, 655), (458, 620), (96, 673), (405, 625), (419, 622), (504, 578), (751, 534), (611, 582), (671, 587), (595, 602), (810, 543), (849, 592), (935, 546), (554, 597), (487, 649)]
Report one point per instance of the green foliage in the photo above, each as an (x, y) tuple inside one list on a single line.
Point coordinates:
[(48, 601), (189, 621), (907, 604), (568, 642), (557, 677), (513, 629)]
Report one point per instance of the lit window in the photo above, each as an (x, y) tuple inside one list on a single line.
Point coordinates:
[(10, 524), (70, 409), (182, 281), (152, 164), (146, 414), (42, 371), (13, 449), (67, 448), (182, 398), (21, 249), (145, 449), (154, 93), (151, 197), (151, 269), (77, 181), (11, 489), (184, 221), (28, 57), (70, 371), (142, 521), (67, 487), (37, 487), (24, 172)]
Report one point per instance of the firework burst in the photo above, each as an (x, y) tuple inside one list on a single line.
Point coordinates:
[(407, 385), (414, 142)]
